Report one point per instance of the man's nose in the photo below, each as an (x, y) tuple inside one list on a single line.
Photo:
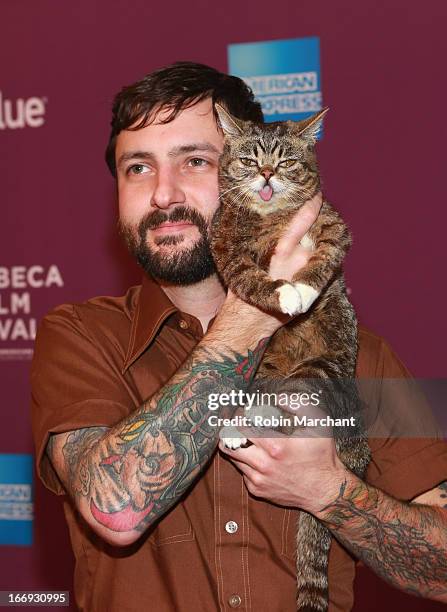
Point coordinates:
[(267, 172), (167, 189)]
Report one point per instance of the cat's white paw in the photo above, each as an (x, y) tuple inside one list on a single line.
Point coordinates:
[(308, 295), (289, 299), (234, 443), (232, 438)]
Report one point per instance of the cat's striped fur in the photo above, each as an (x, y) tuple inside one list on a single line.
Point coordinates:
[(266, 173)]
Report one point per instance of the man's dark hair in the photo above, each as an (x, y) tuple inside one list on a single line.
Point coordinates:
[(175, 88)]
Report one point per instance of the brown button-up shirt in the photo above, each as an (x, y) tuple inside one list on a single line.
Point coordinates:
[(219, 548)]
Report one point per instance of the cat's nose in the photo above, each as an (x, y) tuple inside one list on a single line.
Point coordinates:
[(267, 172)]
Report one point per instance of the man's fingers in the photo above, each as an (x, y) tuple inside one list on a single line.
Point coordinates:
[(271, 442), (246, 470), (252, 455), (300, 224), (265, 442), (303, 220)]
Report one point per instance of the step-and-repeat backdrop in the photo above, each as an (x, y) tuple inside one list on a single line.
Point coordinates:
[(378, 66)]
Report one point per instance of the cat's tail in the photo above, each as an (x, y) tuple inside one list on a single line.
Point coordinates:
[(313, 543)]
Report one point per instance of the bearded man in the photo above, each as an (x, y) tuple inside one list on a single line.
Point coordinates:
[(158, 517)]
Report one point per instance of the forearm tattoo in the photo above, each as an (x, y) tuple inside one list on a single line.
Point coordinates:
[(134, 473), (404, 543)]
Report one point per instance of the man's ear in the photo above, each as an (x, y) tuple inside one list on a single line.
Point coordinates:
[(310, 128), (229, 124)]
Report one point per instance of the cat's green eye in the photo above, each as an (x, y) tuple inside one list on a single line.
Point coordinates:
[(287, 163), (248, 162)]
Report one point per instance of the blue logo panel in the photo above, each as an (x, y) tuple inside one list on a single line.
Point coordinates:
[(16, 499), (283, 74)]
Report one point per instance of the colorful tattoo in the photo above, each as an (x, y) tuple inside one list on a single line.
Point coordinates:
[(132, 474)]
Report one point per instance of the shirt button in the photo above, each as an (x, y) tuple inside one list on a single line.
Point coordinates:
[(234, 601), (231, 527), (183, 324)]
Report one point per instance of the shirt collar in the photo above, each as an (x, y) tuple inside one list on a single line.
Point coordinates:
[(151, 310)]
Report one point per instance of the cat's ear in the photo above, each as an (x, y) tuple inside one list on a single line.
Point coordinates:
[(310, 128), (229, 124)]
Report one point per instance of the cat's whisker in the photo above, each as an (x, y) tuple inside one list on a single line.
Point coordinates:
[(224, 193), (221, 195), (245, 196), (244, 193), (305, 194)]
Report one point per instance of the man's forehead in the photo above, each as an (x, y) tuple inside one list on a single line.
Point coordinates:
[(198, 110), (193, 124)]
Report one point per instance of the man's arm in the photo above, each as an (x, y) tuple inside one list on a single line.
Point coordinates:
[(125, 478), (404, 543)]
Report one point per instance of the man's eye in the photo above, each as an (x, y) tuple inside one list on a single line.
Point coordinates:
[(137, 169), (246, 161), (287, 163), (197, 162)]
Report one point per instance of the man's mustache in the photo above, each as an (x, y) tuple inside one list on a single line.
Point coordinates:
[(181, 213)]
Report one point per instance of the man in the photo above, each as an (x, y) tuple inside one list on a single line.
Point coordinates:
[(158, 519)]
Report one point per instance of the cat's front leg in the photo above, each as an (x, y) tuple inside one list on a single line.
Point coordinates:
[(290, 300), (307, 296), (253, 285)]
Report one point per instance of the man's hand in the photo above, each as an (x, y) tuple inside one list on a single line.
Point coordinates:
[(404, 543), (301, 472)]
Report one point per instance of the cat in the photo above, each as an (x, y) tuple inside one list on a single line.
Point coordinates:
[(266, 173)]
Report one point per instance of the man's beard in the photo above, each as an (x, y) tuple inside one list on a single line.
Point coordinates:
[(185, 267)]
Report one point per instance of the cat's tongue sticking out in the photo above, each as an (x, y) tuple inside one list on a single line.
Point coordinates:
[(266, 193)]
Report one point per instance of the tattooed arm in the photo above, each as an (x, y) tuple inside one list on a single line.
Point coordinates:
[(404, 543), (123, 479)]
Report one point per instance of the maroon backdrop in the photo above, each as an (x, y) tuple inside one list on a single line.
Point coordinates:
[(382, 161)]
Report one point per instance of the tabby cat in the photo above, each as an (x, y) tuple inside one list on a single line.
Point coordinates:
[(266, 174)]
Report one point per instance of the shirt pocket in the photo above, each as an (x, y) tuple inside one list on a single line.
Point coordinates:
[(173, 528)]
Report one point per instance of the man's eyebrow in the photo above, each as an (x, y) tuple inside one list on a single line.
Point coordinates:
[(134, 155), (191, 148)]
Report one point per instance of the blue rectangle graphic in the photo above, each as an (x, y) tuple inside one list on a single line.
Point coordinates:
[(283, 74), (16, 499)]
